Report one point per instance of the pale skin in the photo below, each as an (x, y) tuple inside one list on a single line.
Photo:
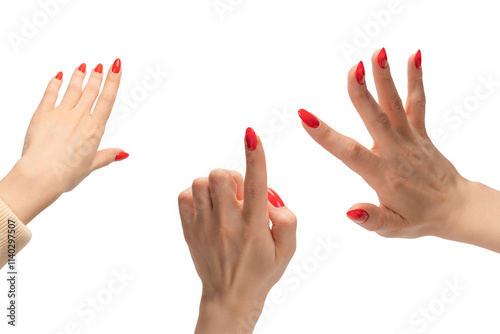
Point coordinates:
[(236, 254), (61, 145), (419, 190)]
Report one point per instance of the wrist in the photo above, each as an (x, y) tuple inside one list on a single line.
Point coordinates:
[(231, 314), (475, 218), (454, 212), (28, 191)]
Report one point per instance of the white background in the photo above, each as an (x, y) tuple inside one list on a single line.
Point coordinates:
[(226, 73)]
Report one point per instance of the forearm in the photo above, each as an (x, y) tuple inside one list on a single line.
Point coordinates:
[(224, 318), (477, 222)]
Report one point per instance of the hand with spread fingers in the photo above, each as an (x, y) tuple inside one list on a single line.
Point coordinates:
[(60, 148), (420, 191), (226, 223)]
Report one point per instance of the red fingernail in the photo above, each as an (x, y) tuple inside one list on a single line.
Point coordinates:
[(382, 58), (360, 73), (358, 216), (117, 65), (251, 139), (308, 118), (98, 68), (418, 60), (59, 76), (121, 156), (274, 198), (82, 68)]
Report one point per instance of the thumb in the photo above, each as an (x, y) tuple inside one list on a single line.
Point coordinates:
[(284, 226), (379, 219), (104, 157)]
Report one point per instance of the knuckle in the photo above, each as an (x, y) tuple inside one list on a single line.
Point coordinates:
[(253, 189), (419, 101), (95, 133), (93, 137), (389, 225), (108, 98), (378, 225), (52, 91), (219, 176), (92, 89), (184, 197), (396, 103), (200, 184), (383, 120), (353, 151), (238, 178), (290, 218), (324, 134), (361, 94), (74, 88), (287, 219)]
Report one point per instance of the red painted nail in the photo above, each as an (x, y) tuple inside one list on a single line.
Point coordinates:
[(59, 76), (418, 60), (121, 156), (82, 68), (117, 65), (360, 73), (309, 119), (382, 58), (274, 198), (358, 216), (251, 139), (98, 68)]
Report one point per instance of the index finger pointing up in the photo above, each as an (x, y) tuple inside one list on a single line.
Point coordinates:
[(255, 193)]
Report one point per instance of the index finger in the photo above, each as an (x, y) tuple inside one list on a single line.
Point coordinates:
[(107, 98), (354, 155), (255, 188)]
